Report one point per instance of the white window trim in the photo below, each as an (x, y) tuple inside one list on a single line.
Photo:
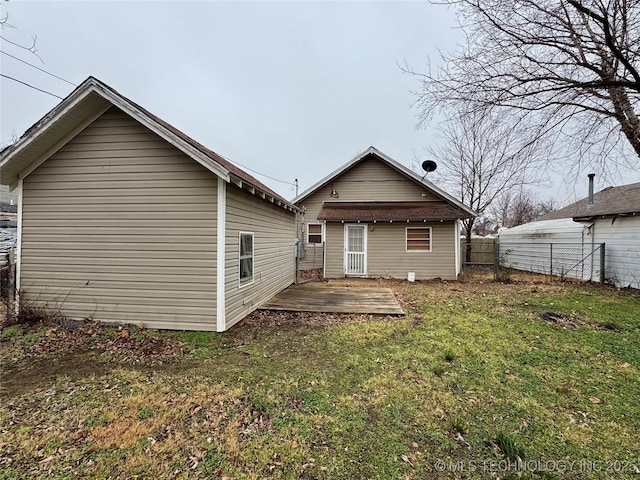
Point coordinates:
[(242, 284), (406, 239), (321, 234)]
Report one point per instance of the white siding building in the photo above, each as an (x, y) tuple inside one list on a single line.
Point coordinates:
[(567, 241)]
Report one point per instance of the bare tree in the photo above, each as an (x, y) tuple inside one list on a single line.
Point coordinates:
[(572, 64), (517, 207), (484, 156), (4, 23)]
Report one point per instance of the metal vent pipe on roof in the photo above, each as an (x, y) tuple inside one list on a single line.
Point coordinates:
[(590, 200)]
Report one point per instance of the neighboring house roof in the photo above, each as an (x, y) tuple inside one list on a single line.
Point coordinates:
[(543, 228), (610, 202), (388, 211), (396, 166), (85, 104)]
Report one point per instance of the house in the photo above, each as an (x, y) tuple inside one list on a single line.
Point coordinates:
[(123, 218), (578, 232), (373, 217)]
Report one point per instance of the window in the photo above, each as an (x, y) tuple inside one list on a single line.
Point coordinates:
[(419, 239), (314, 233), (246, 258)]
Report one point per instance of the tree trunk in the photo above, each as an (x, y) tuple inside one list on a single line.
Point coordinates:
[(626, 116), (468, 229)]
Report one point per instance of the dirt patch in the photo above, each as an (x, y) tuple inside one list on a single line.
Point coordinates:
[(314, 274), (573, 321), (122, 344), (80, 349), (562, 320), (40, 373)]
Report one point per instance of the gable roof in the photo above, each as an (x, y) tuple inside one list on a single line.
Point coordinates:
[(392, 164), (610, 202), (85, 104)]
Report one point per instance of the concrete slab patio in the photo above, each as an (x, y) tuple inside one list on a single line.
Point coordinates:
[(320, 297)]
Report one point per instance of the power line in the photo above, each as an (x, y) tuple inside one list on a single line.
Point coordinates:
[(38, 68), (61, 98), (258, 173), (31, 86)]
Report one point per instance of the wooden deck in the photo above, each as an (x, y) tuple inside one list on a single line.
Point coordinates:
[(318, 297)]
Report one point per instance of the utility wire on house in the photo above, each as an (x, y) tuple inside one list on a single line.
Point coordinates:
[(38, 68), (293, 184), (30, 86), (258, 173)]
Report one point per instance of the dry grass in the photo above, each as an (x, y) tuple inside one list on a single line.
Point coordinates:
[(473, 372)]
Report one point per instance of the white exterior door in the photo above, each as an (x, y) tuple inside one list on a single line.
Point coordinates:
[(355, 241)]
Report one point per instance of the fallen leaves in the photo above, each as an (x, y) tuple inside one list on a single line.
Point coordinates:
[(127, 345)]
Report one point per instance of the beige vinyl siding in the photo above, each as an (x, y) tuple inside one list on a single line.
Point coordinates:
[(273, 252), (387, 255), (369, 180), (120, 226), (334, 267)]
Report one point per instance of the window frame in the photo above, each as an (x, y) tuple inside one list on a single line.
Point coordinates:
[(248, 280), (321, 234), (406, 239)]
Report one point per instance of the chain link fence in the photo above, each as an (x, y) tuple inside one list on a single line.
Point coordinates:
[(310, 259), (581, 261)]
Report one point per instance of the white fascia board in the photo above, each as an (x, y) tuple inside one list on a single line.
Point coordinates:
[(63, 141), (426, 183), (94, 86), (332, 175), (51, 118), (163, 132), (392, 163), (260, 193), (221, 257)]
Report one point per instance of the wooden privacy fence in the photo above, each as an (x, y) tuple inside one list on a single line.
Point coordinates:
[(481, 251)]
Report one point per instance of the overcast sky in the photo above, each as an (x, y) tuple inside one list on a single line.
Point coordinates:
[(288, 89)]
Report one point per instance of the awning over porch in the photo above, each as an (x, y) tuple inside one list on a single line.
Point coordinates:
[(426, 211)]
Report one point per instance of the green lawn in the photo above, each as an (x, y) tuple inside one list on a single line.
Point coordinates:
[(476, 377)]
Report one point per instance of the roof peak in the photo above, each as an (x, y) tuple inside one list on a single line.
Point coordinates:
[(391, 163), (610, 201), (92, 98)]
